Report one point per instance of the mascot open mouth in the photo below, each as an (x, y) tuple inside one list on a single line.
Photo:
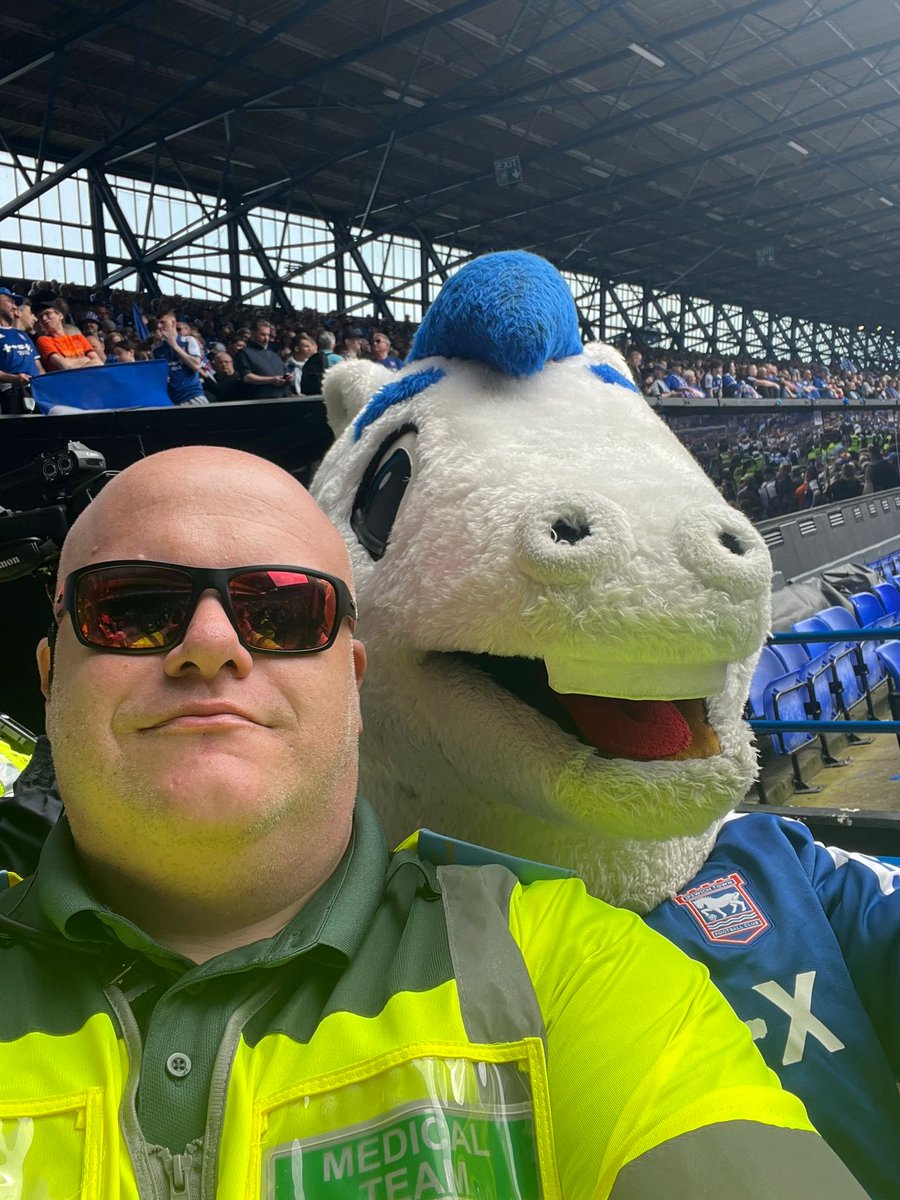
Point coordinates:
[(641, 730)]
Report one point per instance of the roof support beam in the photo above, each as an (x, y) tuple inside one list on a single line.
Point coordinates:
[(278, 293), (96, 25), (375, 289), (148, 279), (100, 150)]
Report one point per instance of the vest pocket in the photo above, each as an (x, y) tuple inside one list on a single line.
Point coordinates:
[(426, 1122), (51, 1147)]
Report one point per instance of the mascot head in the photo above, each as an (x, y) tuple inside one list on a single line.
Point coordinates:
[(561, 612)]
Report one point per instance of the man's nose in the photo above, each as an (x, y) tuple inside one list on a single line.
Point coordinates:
[(210, 644)]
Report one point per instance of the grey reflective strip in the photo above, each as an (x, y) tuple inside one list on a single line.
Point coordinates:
[(495, 990), (740, 1160)]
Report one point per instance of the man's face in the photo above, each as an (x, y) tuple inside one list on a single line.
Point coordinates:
[(26, 317), (9, 310), (50, 322), (224, 363), (166, 324), (262, 335), (207, 740)]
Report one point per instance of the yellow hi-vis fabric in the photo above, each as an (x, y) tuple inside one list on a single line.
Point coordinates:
[(407, 1102), (12, 763)]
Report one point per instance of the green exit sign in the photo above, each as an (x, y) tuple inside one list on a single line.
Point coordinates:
[(508, 171)]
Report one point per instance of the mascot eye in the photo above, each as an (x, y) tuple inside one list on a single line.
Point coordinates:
[(382, 490)]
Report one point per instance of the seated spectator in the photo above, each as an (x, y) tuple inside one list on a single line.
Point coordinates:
[(381, 352), (326, 345), (61, 351), (111, 343), (749, 500), (659, 387), (353, 343), (184, 356), (882, 471), (847, 486), (303, 348), (263, 373), (19, 362), (90, 327), (712, 381), (224, 384)]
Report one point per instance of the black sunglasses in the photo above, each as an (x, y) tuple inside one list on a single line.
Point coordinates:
[(132, 606)]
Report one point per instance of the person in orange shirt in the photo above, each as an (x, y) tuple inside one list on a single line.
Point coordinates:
[(61, 351)]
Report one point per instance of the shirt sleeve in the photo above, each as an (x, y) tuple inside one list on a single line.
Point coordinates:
[(861, 898), (644, 1052)]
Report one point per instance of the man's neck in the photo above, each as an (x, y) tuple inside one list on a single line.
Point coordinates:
[(213, 904)]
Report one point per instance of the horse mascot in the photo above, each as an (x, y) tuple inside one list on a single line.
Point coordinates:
[(562, 617)]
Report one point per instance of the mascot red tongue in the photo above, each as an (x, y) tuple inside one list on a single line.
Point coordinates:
[(509, 497), (639, 729)]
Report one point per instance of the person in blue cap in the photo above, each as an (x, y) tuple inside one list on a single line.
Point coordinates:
[(19, 361)]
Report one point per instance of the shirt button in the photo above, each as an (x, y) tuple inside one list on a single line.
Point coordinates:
[(178, 1065)]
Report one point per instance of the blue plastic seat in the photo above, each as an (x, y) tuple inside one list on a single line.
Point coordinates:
[(870, 667), (869, 609), (889, 595), (780, 695), (848, 687)]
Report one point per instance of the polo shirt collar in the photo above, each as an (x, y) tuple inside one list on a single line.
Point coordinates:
[(336, 917)]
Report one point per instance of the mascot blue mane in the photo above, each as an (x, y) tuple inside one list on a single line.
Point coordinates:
[(511, 311)]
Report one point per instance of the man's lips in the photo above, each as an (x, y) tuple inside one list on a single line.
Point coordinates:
[(202, 717)]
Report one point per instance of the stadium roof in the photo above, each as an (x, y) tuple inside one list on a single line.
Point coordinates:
[(747, 152)]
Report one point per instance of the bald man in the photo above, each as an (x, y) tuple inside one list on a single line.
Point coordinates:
[(219, 983)]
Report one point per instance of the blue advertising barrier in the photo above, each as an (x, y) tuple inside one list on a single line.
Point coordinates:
[(119, 385)]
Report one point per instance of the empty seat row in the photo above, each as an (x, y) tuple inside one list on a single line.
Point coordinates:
[(824, 680)]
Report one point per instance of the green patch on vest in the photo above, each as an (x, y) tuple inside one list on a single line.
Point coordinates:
[(417, 1152)]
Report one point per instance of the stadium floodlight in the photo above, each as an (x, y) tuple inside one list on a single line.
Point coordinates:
[(647, 54)]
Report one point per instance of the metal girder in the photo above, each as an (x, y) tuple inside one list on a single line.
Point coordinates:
[(101, 149), (326, 67), (375, 290), (101, 185), (278, 292), (103, 21), (419, 121)]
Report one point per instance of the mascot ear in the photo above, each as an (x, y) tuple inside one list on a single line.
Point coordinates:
[(349, 386), (600, 352)]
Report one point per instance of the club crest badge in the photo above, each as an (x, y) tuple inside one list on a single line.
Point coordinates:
[(725, 910)]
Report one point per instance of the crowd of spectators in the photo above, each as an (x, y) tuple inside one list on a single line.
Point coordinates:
[(698, 377), (223, 352), (780, 464), (215, 353)]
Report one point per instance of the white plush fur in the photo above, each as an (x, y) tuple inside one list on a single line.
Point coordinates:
[(651, 605)]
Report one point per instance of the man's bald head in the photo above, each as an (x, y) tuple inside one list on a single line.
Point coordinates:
[(173, 490), (173, 762)]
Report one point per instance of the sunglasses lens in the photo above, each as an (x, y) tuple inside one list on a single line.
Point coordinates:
[(283, 610), (132, 608)]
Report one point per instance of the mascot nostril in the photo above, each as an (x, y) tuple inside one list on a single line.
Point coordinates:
[(561, 636), (731, 543), (569, 532)]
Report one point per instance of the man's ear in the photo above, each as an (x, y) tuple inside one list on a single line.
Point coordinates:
[(359, 662), (45, 666), (359, 669)]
